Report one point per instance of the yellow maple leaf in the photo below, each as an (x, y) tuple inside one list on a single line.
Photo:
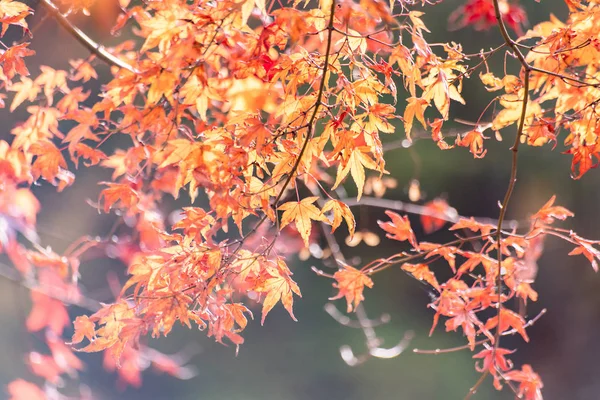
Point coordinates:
[(415, 108), (356, 164), (279, 286), (340, 210), (301, 212)]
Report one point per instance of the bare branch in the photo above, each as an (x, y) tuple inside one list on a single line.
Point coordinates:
[(95, 48), (451, 215)]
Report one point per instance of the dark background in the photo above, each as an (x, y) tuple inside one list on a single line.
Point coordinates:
[(287, 360)]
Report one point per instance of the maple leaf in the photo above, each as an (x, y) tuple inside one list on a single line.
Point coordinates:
[(82, 150), (491, 82), (84, 71), (302, 213), (583, 159), (440, 207), (473, 225), (84, 328), (422, 273), (586, 248), (508, 319), (13, 13), (51, 79), (118, 327), (355, 165), (490, 361), (415, 108), (549, 212), (12, 60), (26, 89), (530, 384), (351, 282), (474, 141), (481, 15), (278, 286), (120, 193), (399, 228), (540, 133), (466, 319), (512, 103), (493, 359), (49, 160), (474, 259), (340, 210), (237, 101), (436, 134), (448, 252)]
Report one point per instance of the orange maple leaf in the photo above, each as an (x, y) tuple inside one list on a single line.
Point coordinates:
[(340, 210), (440, 207), (351, 283), (119, 193), (12, 60), (508, 319), (530, 384), (399, 228), (549, 212), (422, 273), (278, 286), (49, 160), (415, 109), (84, 328)]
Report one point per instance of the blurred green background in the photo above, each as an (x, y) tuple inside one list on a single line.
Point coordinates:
[(287, 360)]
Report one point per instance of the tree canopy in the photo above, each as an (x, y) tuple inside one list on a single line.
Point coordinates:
[(271, 111)]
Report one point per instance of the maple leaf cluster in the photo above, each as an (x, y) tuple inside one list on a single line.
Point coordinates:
[(264, 110)]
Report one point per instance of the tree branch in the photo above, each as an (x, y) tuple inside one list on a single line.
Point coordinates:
[(12, 275), (511, 183), (95, 48), (451, 215)]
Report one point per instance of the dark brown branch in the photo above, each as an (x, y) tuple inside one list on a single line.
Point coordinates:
[(95, 48), (512, 181), (313, 118)]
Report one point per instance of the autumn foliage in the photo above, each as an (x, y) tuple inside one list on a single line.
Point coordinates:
[(268, 109)]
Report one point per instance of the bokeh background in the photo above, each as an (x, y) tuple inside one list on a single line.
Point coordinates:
[(287, 360)]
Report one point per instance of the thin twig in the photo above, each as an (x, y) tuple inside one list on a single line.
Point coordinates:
[(10, 274), (529, 323)]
